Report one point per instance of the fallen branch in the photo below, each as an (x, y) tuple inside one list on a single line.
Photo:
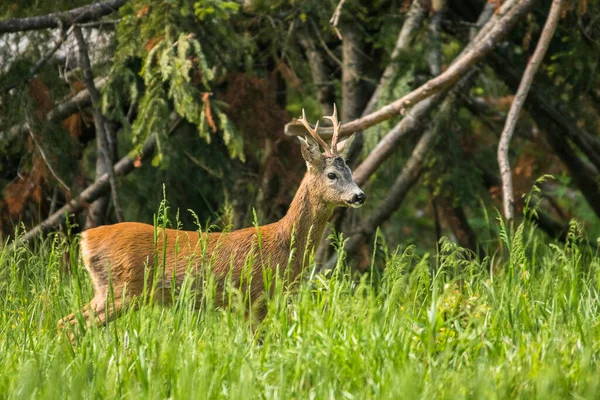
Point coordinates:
[(435, 85), (82, 14), (408, 177), (517, 104), (100, 187)]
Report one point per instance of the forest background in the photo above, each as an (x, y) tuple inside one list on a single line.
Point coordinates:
[(194, 97)]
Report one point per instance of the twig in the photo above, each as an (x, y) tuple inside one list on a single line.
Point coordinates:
[(335, 18), (83, 14), (99, 121), (511, 120), (199, 163), (37, 144), (324, 45)]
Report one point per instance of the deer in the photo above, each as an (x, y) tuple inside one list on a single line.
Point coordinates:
[(120, 258)]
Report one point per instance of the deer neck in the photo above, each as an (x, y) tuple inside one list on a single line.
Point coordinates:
[(306, 218)]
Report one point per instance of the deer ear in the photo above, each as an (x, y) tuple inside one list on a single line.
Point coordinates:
[(343, 147), (310, 150)]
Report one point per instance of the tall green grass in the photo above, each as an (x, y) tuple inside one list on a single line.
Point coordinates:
[(523, 323)]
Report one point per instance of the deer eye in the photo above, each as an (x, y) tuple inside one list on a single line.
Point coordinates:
[(332, 176)]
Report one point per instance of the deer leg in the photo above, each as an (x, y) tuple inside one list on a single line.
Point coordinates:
[(94, 312)]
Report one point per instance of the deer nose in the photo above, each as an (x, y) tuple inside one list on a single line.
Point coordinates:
[(359, 198)]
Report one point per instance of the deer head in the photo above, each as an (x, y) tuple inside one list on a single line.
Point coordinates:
[(330, 178)]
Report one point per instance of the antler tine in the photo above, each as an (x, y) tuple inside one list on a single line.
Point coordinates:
[(314, 133), (336, 129)]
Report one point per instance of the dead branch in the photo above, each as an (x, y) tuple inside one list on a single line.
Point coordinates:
[(323, 44), (335, 18), (445, 80), (82, 14), (558, 128), (410, 124), (408, 177), (517, 105), (43, 154), (100, 121), (99, 188)]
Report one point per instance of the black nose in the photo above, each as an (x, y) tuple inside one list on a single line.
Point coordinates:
[(359, 198)]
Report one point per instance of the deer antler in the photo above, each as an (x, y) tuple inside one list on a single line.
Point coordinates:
[(336, 130), (314, 133)]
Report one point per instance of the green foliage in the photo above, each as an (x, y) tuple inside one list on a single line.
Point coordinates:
[(432, 326), (174, 67)]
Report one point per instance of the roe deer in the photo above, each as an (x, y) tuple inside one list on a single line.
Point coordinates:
[(117, 256)]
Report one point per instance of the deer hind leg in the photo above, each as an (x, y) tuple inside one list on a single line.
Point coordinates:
[(97, 312)]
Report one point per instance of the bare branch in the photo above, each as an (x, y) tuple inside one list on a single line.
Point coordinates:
[(82, 14), (517, 105), (324, 45), (335, 18), (99, 121), (558, 128), (54, 174), (437, 84)]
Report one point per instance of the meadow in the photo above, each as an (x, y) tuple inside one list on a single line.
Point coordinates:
[(521, 323)]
